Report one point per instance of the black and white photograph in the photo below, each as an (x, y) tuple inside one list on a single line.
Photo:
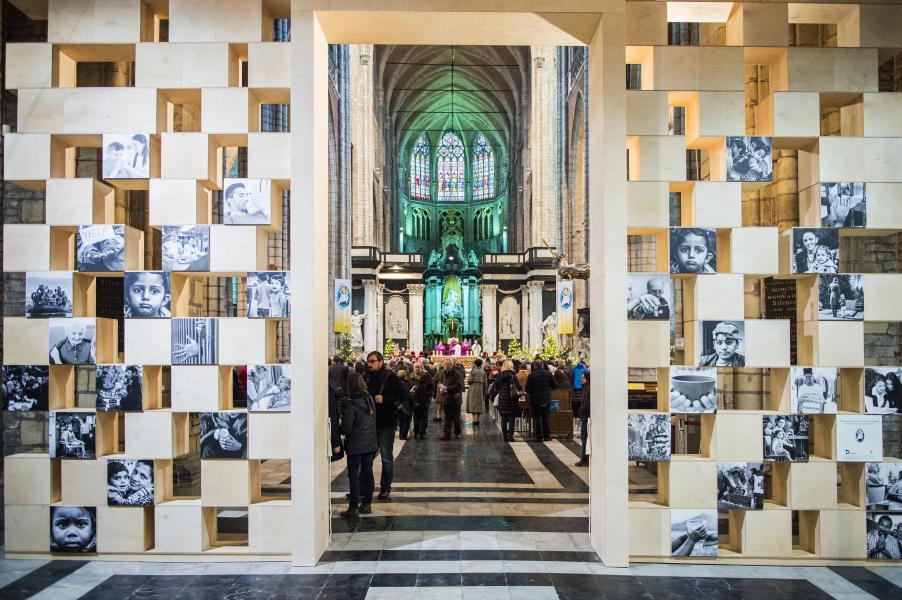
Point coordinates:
[(740, 485), (840, 297), (246, 201), (693, 532), (186, 247), (72, 341), (73, 529), (815, 250), (843, 204), (268, 388), (119, 387), (785, 437), (223, 435), (147, 295), (649, 436), (268, 295), (884, 535), (129, 482), (693, 250), (882, 390), (859, 438), (194, 341), (48, 294), (693, 390), (648, 297), (721, 343), (884, 486), (25, 387), (100, 248), (749, 158), (583, 322), (813, 390), (72, 435), (126, 156)]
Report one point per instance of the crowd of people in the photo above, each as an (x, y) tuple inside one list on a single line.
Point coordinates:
[(373, 398)]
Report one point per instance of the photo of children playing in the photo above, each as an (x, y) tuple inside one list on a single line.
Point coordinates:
[(126, 156), (268, 295), (119, 387), (129, 482), (186, 248), (721, 343), (693, 250), (882, 390), (147, 294), (48, 294), (840, 298), (100, 248), (785, 437), (25, 387), (268, 388), (73, 529), (815, 250), (72, 435)]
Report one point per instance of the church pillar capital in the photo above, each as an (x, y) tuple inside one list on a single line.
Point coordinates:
[(488, 289), (535, 285), (416, 288)]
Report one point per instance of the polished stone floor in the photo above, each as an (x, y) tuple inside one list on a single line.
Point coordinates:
[(470, 519)]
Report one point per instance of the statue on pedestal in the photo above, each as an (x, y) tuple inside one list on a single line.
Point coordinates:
[(357, 330), (549, 325)]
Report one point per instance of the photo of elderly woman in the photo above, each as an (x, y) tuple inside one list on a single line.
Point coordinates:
[(882, 390), (815, 250), (126, 156), (749, 158), (72, 341)]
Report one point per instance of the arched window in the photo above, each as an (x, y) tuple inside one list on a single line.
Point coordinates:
[(450, 169), (419, 168), (483, 169)]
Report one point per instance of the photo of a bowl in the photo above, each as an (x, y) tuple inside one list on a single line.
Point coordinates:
[(693, 386)]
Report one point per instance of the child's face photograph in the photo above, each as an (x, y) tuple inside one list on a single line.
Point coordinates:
[(120, 481), (71, 528), (692, 253), (725, 347), (146, 294)]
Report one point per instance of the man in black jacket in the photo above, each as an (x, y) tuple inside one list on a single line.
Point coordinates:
[(539, 385), (387, 390), (453, 385)]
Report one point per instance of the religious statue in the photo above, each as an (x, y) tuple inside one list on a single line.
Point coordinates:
[(357, 329), (507, 326), (472, 259), (452, 307), (549, 325), (566, 269)]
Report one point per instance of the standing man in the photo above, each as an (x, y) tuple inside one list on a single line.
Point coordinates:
[(387, 391), (539, 384), (453, 386), (338, 376)]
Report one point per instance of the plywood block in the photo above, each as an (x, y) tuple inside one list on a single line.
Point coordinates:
[(237, 249), (859, 159), (246, 341), (646, 112), (269, 435), (648, 343), (698, 68), (25, 341), (178, 202), (812, 485), (767, 533), (879, 291), (841, 533), (188, 156), (29, 65), (216, 21), (756, 24), (28, 479), (225, 110), (88, 109), (26, 156), (147, 341), (647, 204), (738, 437), (121, 529), (78, 202), (716, 296), (26, 247), (879, 25), (721, 113), (832, 69), (84, 482), (269, 527), (661, 158), (755, 250), (883, 205), (840, 344), (226, 482), (883, 114), (646, 24), (156, 434), (179, 527), (269, 156), (268, 65), (94, 22), (26, 528), (795, 114), (199, 388), (693, 483), (649, 532), (186, 65), (714, 204), (767, 343)]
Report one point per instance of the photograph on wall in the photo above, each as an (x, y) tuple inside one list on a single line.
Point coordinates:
[(749, 158), (126, 156), (72, 341), (148, 295), (815, 250), (648, 296), (693, 532), (693, 250), (859, 438), (693, 390), (649, 436), (100, 248), (268, 388), (48, 294), (129, 482), (840, 297), (882, 390), (119, 387), (721, 343), (813, 390), (843, 204), (884, 535), (25, 387), (186, 247), (740, 485), (268, 295), (194, 340), (785, 437), (582, 322), (73, 529), (72, 435), (884, 486), (246, 201), (223, 435)]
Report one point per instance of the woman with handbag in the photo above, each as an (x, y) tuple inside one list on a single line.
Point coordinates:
[(506, 391)]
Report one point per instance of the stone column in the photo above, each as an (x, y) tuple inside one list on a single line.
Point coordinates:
[(415, 316), (380, 310), (362, 131), (489, 328), (372, 315), (465, 301), (543, 144), (524, 317), (535, 312), (474, 307)]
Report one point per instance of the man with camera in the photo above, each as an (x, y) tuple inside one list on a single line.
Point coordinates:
[(388, 392)]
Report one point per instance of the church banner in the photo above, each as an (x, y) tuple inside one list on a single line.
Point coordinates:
[(565, 307), (342, 321)]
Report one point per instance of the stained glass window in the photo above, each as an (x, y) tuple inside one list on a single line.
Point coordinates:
[(419, 168), (483, 169), (450, 168)]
